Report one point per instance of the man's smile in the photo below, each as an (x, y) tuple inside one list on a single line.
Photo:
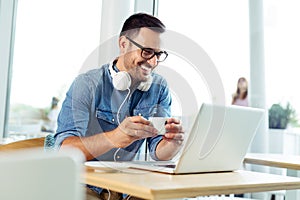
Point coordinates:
[(146, 70)]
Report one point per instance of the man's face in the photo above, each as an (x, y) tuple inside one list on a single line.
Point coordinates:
[(138, 67)]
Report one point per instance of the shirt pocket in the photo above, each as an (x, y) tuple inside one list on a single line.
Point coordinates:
[(107, 119), (146, 112)]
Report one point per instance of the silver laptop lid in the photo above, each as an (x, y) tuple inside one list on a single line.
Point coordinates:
[(219, 138)]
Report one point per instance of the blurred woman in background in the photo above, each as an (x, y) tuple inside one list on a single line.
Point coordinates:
[(240, 96)]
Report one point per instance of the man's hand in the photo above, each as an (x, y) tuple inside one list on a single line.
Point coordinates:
[(172, 140), (174, 132), (131, 129)]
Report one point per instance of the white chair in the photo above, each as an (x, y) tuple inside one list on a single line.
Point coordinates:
[(34, 174)]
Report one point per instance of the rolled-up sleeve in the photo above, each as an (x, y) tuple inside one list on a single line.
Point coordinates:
[(74, 115)]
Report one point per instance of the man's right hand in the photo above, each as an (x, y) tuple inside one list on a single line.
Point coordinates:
[(131, 129)]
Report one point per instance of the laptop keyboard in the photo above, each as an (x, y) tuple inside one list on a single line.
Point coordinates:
[(168, 164)]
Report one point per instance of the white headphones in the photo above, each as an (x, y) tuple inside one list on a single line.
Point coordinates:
[(122, 80)]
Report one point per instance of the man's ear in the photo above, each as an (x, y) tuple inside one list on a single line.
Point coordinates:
[(123, 44)]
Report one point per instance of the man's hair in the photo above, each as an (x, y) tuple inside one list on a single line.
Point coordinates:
[(136, 21)]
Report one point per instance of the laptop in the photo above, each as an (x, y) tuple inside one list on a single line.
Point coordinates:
[(217, 141)]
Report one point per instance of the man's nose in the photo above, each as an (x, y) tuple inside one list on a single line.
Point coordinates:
[(153, 61)]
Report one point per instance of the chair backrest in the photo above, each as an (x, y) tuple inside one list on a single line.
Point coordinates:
[(34, 174), (23, 144)]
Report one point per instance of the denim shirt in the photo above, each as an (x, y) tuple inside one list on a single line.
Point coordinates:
[(93, 106)]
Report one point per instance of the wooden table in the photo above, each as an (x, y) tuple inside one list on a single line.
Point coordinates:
[(152, 185), (290, 162), (274, 160), (23, 144)]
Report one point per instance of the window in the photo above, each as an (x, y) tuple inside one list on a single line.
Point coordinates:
[(282, 44), (221, 28), (52, 41)]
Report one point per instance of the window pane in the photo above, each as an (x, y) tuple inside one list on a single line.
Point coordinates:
[(221, 28), (53, 39), (282, 47)]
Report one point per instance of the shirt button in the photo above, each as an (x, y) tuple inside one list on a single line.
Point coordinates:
[(112, 119), (118, 157), (140, 114)]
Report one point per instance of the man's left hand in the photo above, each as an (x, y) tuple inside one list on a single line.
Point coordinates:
[(174, 131)]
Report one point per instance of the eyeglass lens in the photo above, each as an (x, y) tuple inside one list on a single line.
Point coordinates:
[(148, 53)]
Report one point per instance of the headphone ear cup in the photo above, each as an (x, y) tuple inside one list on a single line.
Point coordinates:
[(121, 80), (145, 86)]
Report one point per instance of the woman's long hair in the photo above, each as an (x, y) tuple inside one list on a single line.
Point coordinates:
[(238, 92)]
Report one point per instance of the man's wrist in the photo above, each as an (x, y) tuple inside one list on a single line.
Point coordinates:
[(110, 139)]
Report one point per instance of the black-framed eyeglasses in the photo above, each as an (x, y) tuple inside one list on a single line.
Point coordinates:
[(148, 53)]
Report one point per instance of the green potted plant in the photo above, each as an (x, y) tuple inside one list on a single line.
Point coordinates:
[(280, 117)]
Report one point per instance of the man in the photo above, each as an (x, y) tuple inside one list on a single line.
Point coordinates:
[(106, 110)]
